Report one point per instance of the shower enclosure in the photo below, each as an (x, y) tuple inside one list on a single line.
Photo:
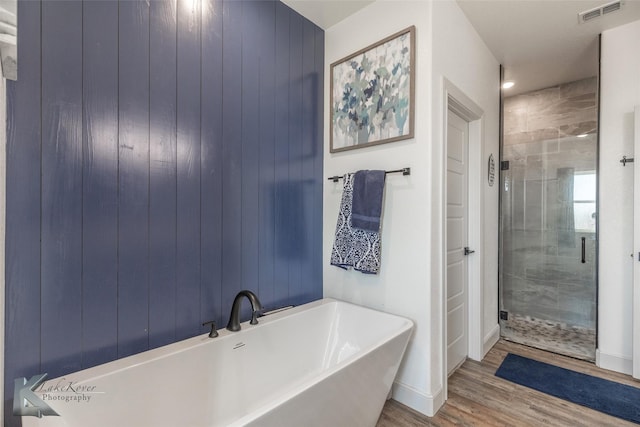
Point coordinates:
[(548, 243)]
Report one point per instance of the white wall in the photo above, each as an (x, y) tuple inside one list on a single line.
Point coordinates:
[(461, 56), (620, 92), (410, 278), (402, 286), (3, 187)]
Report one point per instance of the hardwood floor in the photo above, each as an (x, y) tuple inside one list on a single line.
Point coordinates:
[(478, 398)]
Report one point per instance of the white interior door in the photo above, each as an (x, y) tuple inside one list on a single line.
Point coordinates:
[(636, 245), (457, 234)]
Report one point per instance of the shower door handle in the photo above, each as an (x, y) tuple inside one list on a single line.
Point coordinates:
[(584, 244)]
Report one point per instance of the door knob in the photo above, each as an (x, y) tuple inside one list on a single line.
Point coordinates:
[(467, 251)]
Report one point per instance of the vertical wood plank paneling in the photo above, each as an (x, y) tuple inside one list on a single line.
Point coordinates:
[(318, 163), (22, 240), (251, 209), (133, 230), (281, 155), (163, 160), (61, 243), (100, 182), (266, 47), (298, 233), (211, 163), (307, 143), (162, 172), (188, 170), (231, 152), (307, 156)]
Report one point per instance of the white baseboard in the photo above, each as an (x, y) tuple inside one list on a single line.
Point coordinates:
[(614, 363), (418, 400), (491, 339)]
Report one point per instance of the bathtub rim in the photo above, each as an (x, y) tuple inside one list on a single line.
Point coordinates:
[(128, 362)]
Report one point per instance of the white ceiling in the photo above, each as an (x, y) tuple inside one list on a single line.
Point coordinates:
[(539, 42), (326, 13)]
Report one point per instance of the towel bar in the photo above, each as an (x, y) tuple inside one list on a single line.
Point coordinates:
[(405, 171)]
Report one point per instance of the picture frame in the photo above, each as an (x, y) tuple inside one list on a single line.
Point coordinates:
[(372, 94)]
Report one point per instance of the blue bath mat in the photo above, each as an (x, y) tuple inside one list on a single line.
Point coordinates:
[(609, 397)]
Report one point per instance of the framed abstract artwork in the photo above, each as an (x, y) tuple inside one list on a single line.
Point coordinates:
[(372, 94)]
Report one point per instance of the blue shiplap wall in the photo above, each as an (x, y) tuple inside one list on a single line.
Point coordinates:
[(162, 156)]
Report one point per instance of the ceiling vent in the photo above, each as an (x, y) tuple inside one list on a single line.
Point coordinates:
[(599, 11)]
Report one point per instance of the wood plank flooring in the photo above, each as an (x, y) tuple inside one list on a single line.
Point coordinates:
[(478, 398)]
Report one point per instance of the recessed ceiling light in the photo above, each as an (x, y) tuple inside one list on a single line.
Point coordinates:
[(508, 85)]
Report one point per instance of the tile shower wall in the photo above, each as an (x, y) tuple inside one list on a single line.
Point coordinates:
[(162, 156), (542, 275)]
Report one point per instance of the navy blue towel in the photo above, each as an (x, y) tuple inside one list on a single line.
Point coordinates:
[(368, 187)]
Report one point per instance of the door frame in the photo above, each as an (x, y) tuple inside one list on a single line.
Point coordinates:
[(635, 313), (454, 99)]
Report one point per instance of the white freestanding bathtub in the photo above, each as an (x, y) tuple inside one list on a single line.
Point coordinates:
[(326, 363)]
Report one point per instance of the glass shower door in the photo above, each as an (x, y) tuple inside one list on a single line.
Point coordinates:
[(548, 244)]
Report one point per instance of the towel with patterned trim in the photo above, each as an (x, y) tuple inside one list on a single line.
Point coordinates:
[(354, 247)]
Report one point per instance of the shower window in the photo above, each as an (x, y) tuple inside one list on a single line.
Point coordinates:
[(584, 201)]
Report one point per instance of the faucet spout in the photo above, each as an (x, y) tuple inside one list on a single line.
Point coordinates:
[(256, 309)]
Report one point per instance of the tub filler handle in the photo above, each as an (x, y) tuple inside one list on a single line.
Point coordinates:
[(214, 331), (280, 309), (256, 309)]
